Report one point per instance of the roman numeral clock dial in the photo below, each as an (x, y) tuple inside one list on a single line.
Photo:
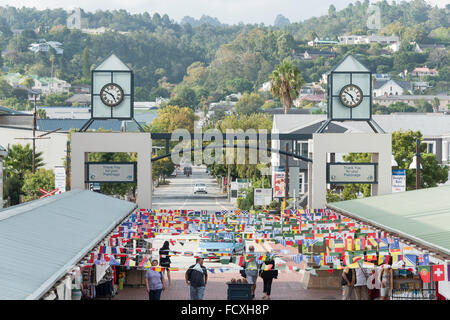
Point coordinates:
[(351, 96), (111, 94)]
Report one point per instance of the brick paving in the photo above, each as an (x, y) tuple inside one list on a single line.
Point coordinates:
[(286, 287)]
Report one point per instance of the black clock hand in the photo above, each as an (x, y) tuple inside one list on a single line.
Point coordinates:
[(114, 97), (349, 95)]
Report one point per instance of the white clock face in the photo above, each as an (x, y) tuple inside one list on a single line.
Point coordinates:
[(111, 94), (351, 96)]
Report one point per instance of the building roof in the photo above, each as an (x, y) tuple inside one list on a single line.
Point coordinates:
[(67, 124), (8, 111), (424, 69), (313, 97), (42, 239), (430, 125), (403, 84), (80, 97), (423, 216), (413, 97), (291, 111)]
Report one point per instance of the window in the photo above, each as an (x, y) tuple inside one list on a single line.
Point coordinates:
[(301, 182), (301, 148), (431, 146)]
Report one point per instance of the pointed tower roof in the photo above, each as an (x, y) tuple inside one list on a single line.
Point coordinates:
[(112, 63), (350, 64)]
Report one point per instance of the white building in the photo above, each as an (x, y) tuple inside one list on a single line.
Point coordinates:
[(266, 86), (362, 39), (391, 88)]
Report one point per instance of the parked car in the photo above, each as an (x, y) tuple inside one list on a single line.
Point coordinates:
[(200, 188), (222, 242)]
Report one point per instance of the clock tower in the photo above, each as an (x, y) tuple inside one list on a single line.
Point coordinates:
[(112, 92), (350, 94)]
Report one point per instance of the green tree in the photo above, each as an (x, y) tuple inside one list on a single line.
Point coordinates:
[(158, 92), (18, 163), (249, 103), (171, 118), (162, 168), (141, 94), (286, 83), (186, 97), (56, 99), (423, 105), (5, 89), (41, 114), (435, 103), (404, 149), (44, 179), (19, 160), (86, 64), (28, 82)]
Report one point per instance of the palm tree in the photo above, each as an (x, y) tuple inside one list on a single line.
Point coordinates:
[(19, 160), (435, 103), (286, 83)]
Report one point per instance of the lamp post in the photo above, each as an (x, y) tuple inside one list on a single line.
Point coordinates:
[(3, 154), (415, 164)]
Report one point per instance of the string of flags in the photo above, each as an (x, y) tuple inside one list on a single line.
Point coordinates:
[(342, 241)]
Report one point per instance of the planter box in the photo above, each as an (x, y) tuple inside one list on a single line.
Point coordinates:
[(239, 291)]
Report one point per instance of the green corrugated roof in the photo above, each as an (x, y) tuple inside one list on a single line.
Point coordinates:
[(420, 215), (42, 239)]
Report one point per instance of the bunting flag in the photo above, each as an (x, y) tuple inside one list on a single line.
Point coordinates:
[(349, 244), (438, 272), (410, 260), (397, 261), (383, 259), (424, 259), (425, 274), (383, 244)]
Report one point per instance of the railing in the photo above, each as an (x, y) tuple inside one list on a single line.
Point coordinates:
[(413, 294)]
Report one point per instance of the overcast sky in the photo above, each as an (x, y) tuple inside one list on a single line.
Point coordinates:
[(227, 11)]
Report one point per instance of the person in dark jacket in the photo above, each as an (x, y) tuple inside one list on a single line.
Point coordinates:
[(164, 259), (268, 273)]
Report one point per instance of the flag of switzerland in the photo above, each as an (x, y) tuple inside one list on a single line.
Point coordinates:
[(438, 273)]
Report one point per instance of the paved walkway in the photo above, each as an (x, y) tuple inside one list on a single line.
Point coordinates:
[(286, 287)]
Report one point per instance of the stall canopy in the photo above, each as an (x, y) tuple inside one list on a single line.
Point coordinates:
[(42, 239), (423, 216)]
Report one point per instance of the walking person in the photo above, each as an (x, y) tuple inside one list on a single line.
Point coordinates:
[(268, 273), (386, 278), (251, 269), (196, 278), (361, 291), (154, 281), (348, 282), (164, 259)]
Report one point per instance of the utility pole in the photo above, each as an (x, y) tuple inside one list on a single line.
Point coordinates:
[(228, 182), (418, 164), (33, 164), (68, 165), (286, 179)]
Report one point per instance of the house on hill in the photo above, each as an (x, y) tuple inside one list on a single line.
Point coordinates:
[(391, 88), (424, 71)]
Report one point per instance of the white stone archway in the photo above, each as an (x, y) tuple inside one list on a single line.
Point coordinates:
[(378, 144), (84, 142)]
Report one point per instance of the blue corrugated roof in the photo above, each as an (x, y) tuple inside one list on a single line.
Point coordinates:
[(42, 239), (67, 124), (9, 111)]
